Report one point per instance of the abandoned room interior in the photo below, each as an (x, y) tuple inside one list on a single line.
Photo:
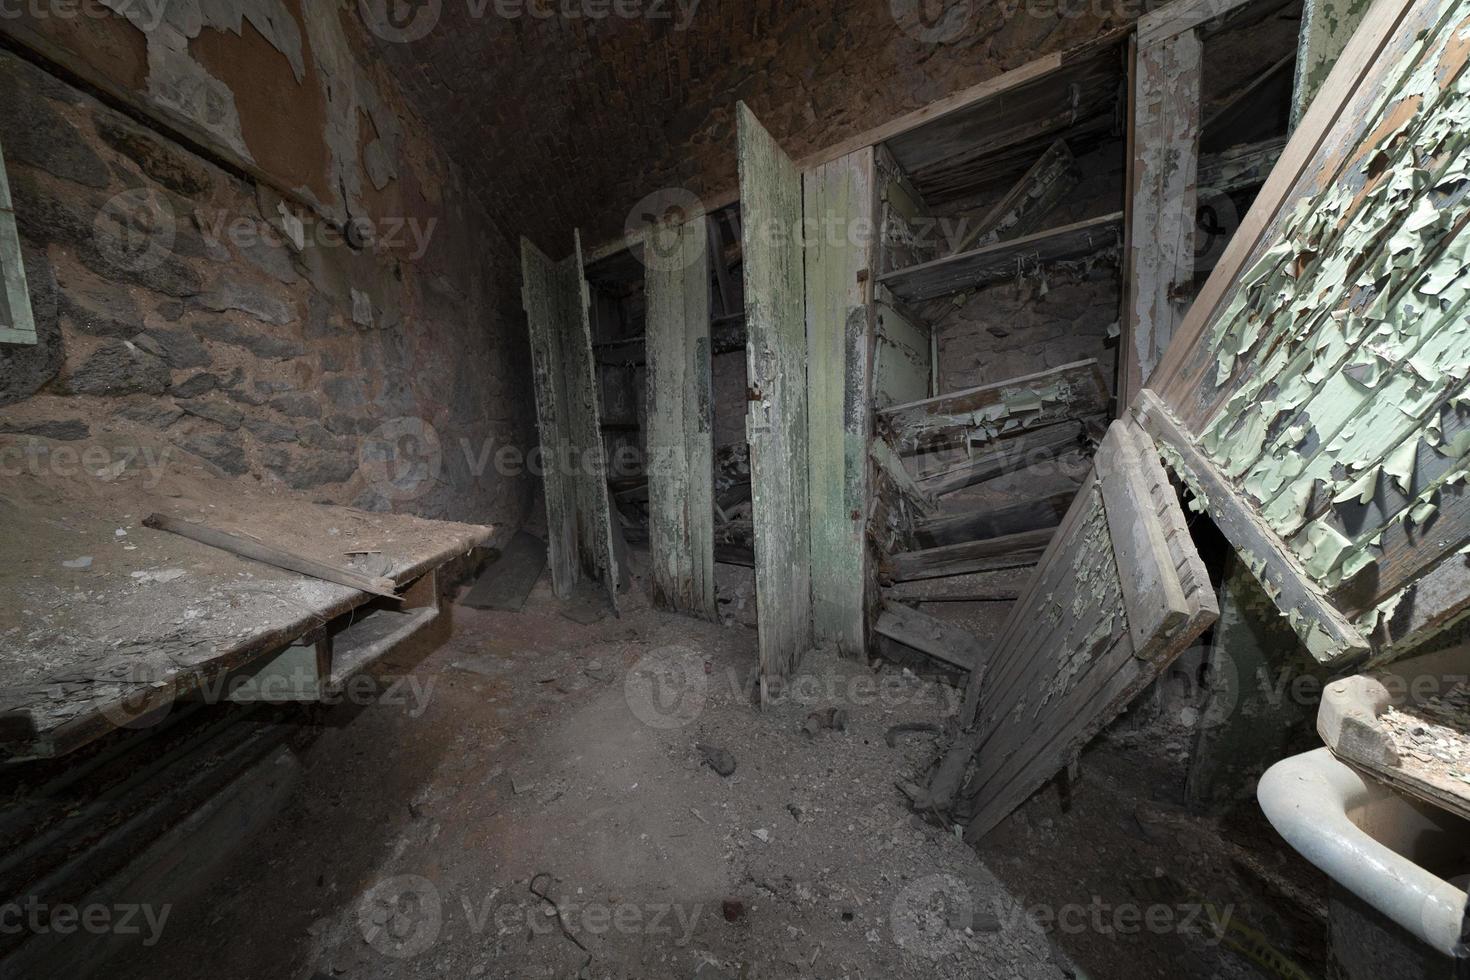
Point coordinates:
[(784, 488)]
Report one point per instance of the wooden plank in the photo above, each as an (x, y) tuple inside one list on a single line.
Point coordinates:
[(1162, 202), (902, 357), (681, 420), (1327, 634), (933, 532), (776, 419), (840, 319), (939, 639), (1067, 392), (1327, 26), (510, 579), (584, 401), (271, 555), (1029, 201), (988, 554), (1016, 454), (975, 587), (17, 323), (889, 463), (1237, 168), (999, 262), (1152, 593), (541, 300), (1174, 19)]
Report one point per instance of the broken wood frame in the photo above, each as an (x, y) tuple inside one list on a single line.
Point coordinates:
[(1278, 404), (680, 416), (1119, 593), (17, 323), (569, 418)]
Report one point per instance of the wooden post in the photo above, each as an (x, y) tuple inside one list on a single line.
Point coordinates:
[(680, 418), (840, 218), (776, 415)]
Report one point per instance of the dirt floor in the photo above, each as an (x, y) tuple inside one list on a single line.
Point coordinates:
[(534, 756)]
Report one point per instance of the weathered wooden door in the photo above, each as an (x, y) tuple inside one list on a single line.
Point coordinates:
[(578, 515), (680, 417), (776, 414)]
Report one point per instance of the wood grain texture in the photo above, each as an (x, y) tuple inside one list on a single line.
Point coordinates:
[(935, 637), (680, 420), (840, 316), (1160, 262), (776, 419), (17, 323)]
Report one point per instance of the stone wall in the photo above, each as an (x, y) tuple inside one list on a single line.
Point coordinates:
[(365, 348)]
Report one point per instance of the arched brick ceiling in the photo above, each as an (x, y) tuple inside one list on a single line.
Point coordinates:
[(562, 121)]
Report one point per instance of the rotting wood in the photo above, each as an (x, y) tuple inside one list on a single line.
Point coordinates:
[(942, 529), (1004, 260), (1152, 593), (1325, 632), (680, 419), (542, 300), (776, 413), (988, 554), (1327, 26), (1041, 446), (1065, 665), (840, 317), (935, 637), (1237, 168), (1071, 391), (1025, 205), (17, 323), (1160, 263), (271, 555), (887, 460)]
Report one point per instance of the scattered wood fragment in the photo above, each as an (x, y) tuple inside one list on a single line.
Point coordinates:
[(270, 555)]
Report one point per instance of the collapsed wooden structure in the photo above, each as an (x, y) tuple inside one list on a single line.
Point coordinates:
[(1306, 396)]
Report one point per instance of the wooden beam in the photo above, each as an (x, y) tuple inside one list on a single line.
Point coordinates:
[(974, 587), (1044, 445), (1327, 26), (1004, 260), (934, 532), (1026, 204), (1182, 15), (1327, 634), (990, 554), (1162, 198), (889, 463), (271, 555), (942, 641)]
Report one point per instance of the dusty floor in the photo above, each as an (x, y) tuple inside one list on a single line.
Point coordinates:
[(536, 753)]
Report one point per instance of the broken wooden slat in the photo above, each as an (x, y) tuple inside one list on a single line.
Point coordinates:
[(934, 532), (1001, 261), (1066, 392), (271, 555), (1015, 454), (776, 415), (680, 420), (839, 335), (943, 641), (1326, 633), (1026, 204), (888, 461), (1152, 593), (1237, 168), (1007, 551), (1160, 263)]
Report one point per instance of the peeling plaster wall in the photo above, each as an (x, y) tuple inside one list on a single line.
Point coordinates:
[(176, 296)]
